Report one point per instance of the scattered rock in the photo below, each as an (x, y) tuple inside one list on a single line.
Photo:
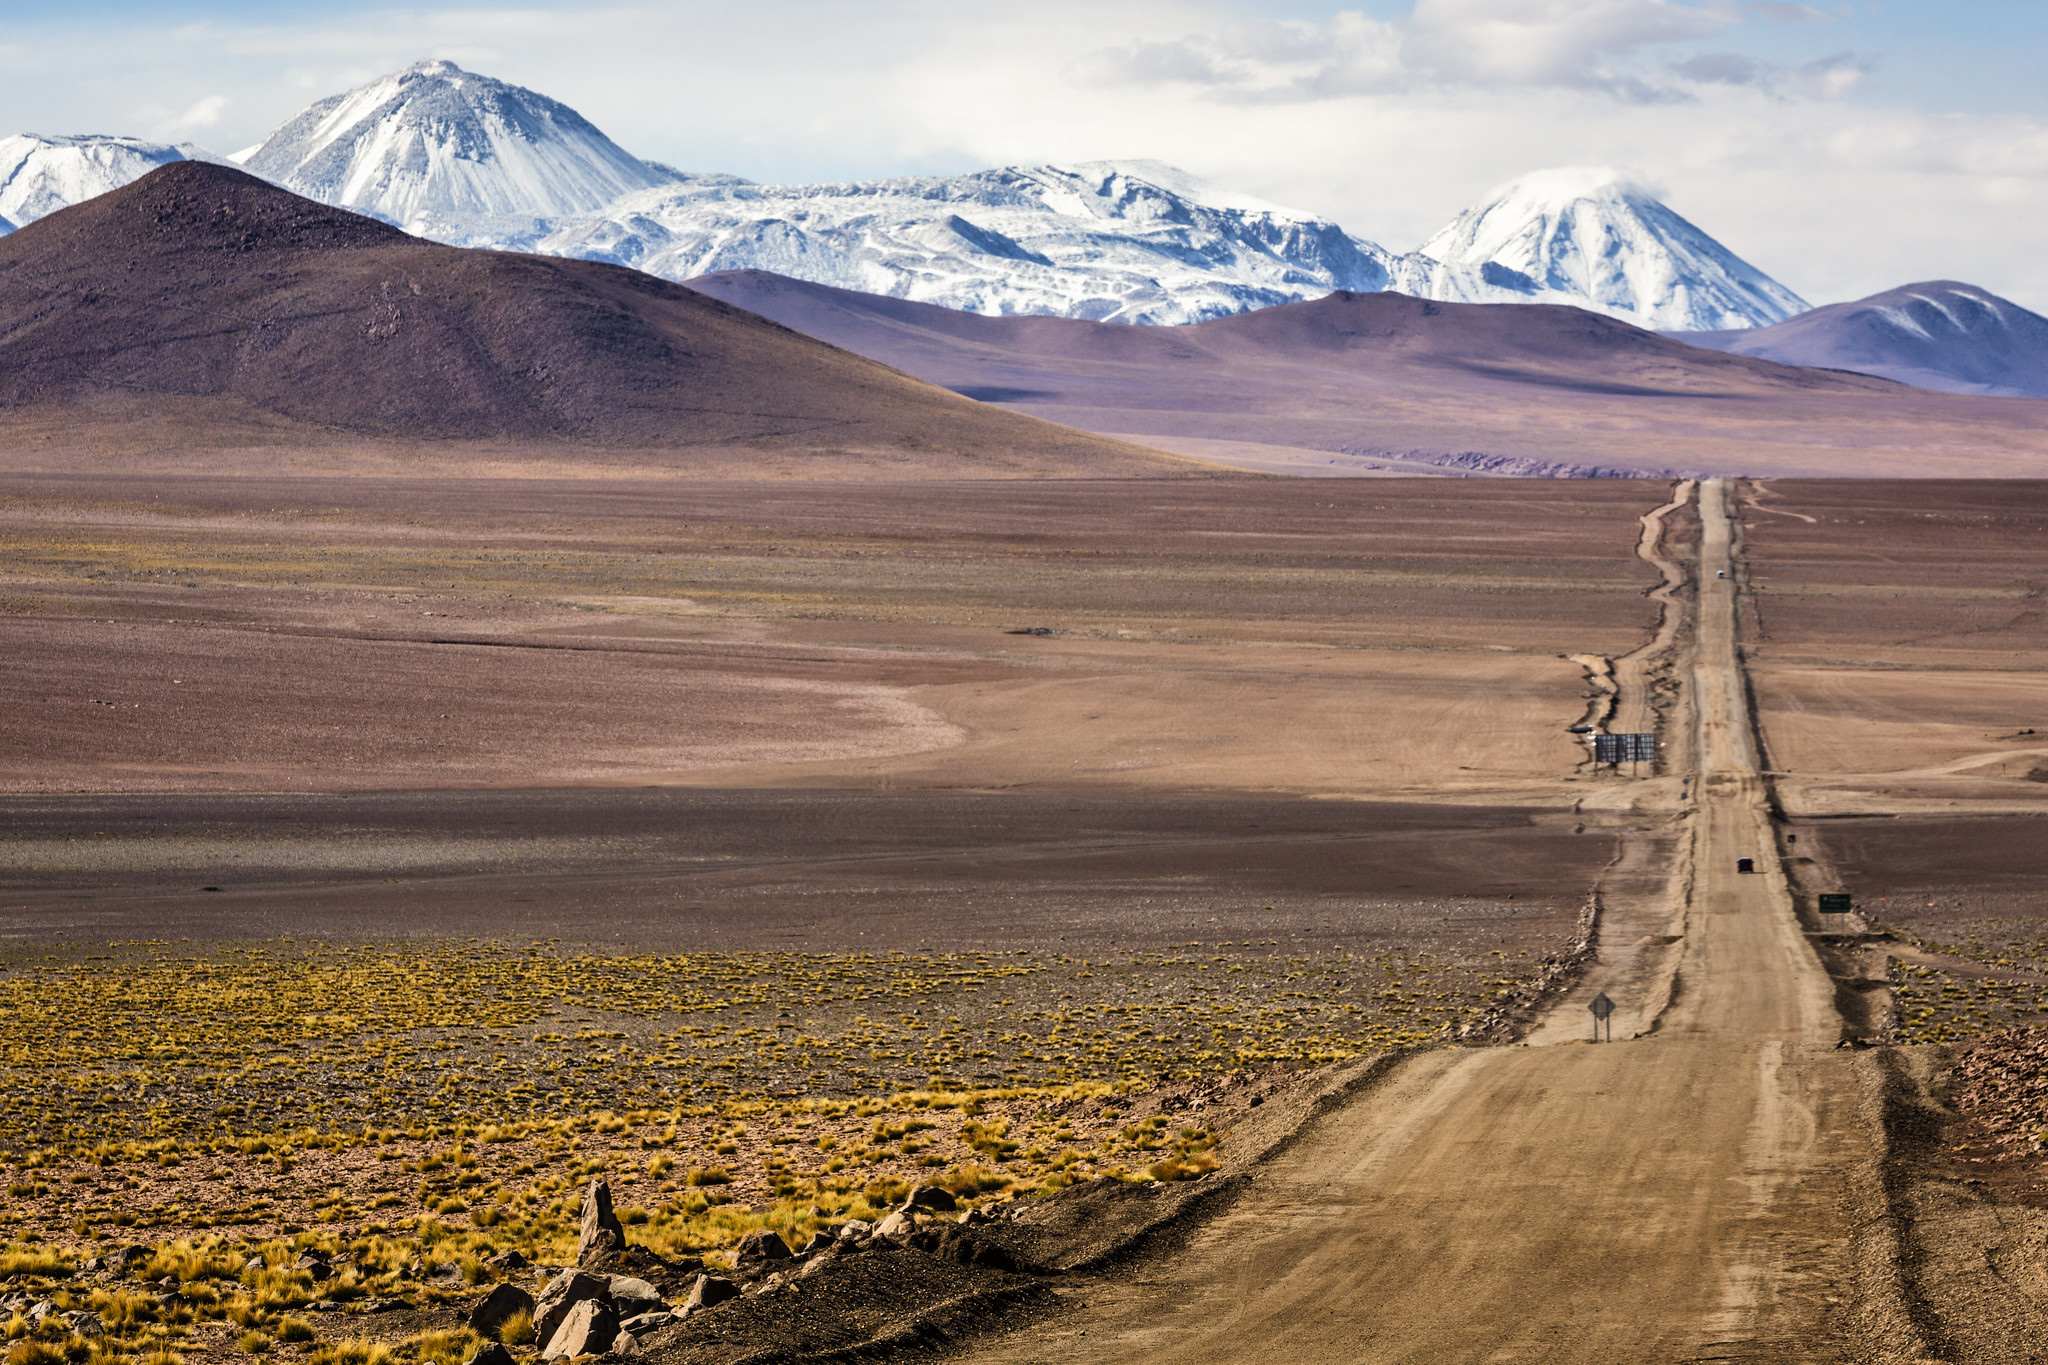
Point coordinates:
[(602, 1233), (499, 1306), (958, 1243), (856, 1231), (624, 1344), (129, 1256), (42, 1309), (931, 1197), (761, 1246), (832, 1255), (897, 1225), (506, 1261), (491, 1353), (819, 1241), (563, 1293), (316, 1263), (630, 1298), (708, 1292), (647, 1322), (384, 1305), (323, 1306), (85, 1324), (590, 1328)]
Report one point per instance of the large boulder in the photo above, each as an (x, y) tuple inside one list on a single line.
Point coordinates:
[(708, 1292), (602, 1234), (498, 1307), (630, 1297), (491, 1353), (759, 1247), (931, 1197), (562, 1294), (897, 1225), (589, 1330)]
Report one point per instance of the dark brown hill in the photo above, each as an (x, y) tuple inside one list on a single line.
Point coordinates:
[(1373, 383), (238, 312)]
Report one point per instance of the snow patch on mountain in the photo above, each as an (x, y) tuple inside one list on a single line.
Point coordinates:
[(1129, 241), (1595, 237), (433, 147), (39, 175), (1939, 334), (473, 161)]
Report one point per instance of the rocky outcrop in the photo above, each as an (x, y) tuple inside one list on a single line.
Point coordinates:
[(602, 1234)]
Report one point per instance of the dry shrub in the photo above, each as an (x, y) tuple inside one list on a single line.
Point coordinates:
[(35, 1261), (296, 1329), (517, 1330), (28, 1352), (354, 1351), (253, 1343), (972, 1179), (450, 1347), (1182, 1167)]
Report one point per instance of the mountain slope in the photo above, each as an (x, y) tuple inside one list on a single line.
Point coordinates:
[(1386, 383), (39, 175), (1590, 236), (433, 146), (1934, 335), (203, 290), (1129, 241)]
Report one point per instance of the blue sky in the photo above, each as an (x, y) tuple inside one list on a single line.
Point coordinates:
[(1844, 147)]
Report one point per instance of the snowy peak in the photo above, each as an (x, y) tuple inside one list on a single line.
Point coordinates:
[(39, 175), (1936, 335), (1107, 240), (1600, 238), (435, 142)]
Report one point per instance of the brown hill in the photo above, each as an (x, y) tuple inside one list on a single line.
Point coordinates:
[(1365, 383), (200, 306)]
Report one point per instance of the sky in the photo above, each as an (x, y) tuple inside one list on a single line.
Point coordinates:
[(1843, 147)]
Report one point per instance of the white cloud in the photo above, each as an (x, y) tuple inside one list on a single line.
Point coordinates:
[(1574, 43), (204, 114)]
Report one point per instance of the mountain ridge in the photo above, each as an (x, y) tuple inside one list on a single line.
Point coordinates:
[(473, 161), (1936, 334), (1381, 383), (238, 303)]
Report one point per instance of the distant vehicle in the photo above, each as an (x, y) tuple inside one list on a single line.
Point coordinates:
[(1745, 864), (1720, 573)]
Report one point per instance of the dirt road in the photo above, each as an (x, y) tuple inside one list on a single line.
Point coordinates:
[(1687, 1195)]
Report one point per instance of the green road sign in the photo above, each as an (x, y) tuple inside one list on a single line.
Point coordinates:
[(1836, 903)]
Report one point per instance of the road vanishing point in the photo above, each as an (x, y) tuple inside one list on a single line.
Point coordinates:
[(1694, 1192)]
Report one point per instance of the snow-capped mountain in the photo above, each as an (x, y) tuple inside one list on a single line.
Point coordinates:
[(39, 175), (1132, 241), (1936, 335), (1591, 236), (441, 152), (473, 161)]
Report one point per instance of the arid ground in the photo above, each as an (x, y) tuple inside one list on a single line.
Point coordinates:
[(382, 857)]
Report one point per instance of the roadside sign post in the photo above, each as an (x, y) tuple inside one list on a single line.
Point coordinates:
[(1603, 1013), (1836, 903), (1624, 748)]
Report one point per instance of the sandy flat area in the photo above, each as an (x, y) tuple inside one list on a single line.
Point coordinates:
[(1898, 645), (288, 635)]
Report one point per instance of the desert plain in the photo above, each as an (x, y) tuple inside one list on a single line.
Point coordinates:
[(770, 847)]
